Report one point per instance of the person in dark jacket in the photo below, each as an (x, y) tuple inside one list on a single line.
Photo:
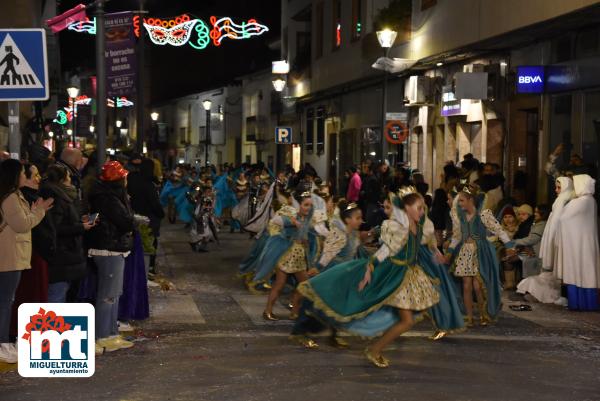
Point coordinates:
[(439, 215), (110, 243), (68, 263), (525, 217), (145, 199)]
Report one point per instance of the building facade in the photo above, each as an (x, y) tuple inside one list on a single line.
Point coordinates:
[(180, 131), (459, 93)]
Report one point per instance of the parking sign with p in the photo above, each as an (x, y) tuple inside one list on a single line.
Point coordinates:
[(283, 135)]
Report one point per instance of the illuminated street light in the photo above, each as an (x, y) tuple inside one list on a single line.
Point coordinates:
[(92, 129), (279, 84), (118, 123), (154, 116), (207, 104), (50, 134), (386, 38), (73, 92)]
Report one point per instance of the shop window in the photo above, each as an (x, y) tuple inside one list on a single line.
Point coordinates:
[(310, 130), (320, 130), (560, 123), (183, 136), (591, 129), (357, 25), (562, 49), (302, 50), (586, 43), (337, 24), (319, 30)]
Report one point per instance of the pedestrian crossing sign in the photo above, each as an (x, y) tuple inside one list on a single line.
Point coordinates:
[(23, 65)]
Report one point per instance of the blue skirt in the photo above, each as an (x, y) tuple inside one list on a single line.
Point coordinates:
[(583, 299), (250, 264)]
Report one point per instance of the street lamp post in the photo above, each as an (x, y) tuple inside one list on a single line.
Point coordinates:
[(154, 139), (386, 39), (207, 104), (73, 93)]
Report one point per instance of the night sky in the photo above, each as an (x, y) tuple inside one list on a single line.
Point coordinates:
[(177, 71)]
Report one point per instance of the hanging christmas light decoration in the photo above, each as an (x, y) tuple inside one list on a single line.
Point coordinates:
[(61, 117), (185, 30), (121, 102), (89, 26), (226, 28)]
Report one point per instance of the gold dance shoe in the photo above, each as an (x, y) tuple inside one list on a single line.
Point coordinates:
[(438, 335), (305, 341), (270, 317), (469, 321), (338, 342), (484, 321), (378, 361)]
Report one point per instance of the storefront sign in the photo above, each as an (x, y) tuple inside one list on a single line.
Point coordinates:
[(530, 79), (451, 106)]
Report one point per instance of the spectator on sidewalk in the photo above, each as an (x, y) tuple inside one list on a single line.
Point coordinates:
[(110, 243), (17, 219), (545, 287), (578, 248), (72, 159), (145, 200), (68, 263), (490, 182), (440, 215), (575, 166), (525, 218), (33, 286), (354, 185)]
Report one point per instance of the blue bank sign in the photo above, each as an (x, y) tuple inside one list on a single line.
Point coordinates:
[(530, 79)]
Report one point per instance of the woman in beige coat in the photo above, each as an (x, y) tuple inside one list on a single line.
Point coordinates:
[(16, 221)]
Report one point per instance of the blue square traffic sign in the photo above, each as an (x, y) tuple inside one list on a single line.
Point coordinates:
[(23, 65), (283, 135)]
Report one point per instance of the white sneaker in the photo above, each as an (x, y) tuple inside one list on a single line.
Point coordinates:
[(8, 353), (124, 326), (562, 301)]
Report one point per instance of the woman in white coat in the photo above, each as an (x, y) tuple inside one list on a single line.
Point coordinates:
[(545, 287), (578, 253)]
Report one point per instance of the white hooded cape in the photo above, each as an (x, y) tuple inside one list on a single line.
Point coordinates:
[(578, 253)]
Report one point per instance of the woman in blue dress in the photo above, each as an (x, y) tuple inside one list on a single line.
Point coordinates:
[(342, 242), (341, 245), (382, 294), (474, 257), (287, 253), (249, 266)]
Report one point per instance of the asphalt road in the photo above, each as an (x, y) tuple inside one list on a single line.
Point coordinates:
[(206, 340)]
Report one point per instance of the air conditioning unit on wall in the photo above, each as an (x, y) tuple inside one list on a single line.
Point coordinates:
[(418, 91)]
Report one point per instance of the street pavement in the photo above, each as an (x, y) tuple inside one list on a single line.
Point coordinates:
[(206, 340)]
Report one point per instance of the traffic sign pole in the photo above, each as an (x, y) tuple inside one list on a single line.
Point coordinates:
[(101, 85), (14, 139)]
